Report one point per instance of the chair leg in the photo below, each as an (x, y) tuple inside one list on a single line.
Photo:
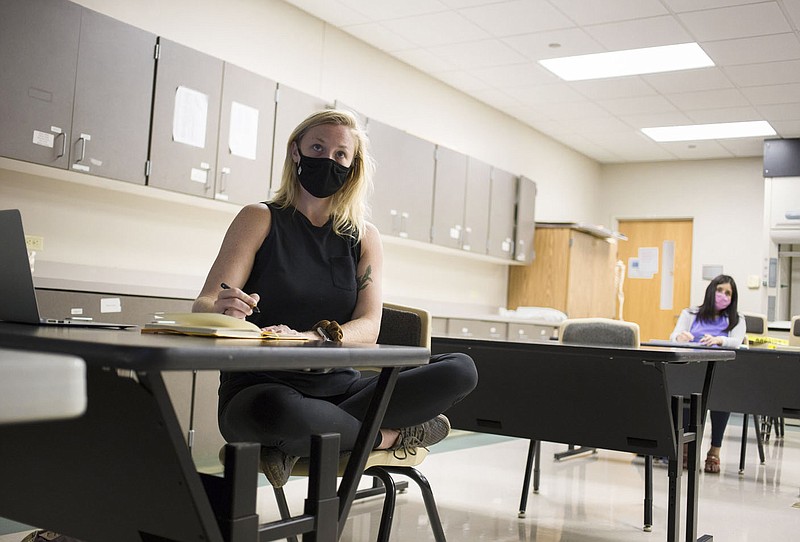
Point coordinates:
[(389, 499), (648, 493), (283, 508), (526, 480), (427, 496)]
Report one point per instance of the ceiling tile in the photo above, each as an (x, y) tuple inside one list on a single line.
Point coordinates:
[(462, 80), (424, 60), (517, 75), (478, 54), (379, 36), (569, 112), (736, 22), (787, 128), (517, 17), (547, 94), (772, 94), (640, 33), (707, 99), (605, 11), (553, 44), (679, 6), (752, 50), (381, 10), (750, 146), (617, 87), (496, 98), (697, 150), (724, 114), (772, 73), (689, 80), (792, 7), (780, 111), (436, 29), (637, 105), (649, 120), (332, 11)]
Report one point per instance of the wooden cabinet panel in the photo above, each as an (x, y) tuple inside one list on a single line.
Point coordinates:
[(573, 272)]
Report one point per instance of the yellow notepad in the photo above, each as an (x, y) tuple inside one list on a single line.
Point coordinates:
[(212, 324)]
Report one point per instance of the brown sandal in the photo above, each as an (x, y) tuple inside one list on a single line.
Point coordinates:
[(712, 464)]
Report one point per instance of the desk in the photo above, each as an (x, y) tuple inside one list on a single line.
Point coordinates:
[(760, 381), (605, 397), (123, 471)]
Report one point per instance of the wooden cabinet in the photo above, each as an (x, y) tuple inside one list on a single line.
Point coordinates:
[(573, 272)]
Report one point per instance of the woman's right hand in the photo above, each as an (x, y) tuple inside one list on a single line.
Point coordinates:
[(684, 337), (234, 302)]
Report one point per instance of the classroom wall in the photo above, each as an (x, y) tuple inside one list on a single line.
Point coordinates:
[(118, 235), (725, 199)]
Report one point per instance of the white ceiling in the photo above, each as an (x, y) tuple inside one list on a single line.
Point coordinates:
[(489, 49)]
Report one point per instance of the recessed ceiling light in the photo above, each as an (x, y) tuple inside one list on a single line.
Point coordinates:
[(723, 130), (684, 56)]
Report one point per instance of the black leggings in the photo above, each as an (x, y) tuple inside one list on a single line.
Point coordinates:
[(278, 415)]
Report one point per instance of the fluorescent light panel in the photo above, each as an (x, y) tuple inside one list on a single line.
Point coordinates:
[(723, 130), (666, 58)]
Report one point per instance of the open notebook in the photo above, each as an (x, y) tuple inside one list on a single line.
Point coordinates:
[(212, 324), (17, 294)]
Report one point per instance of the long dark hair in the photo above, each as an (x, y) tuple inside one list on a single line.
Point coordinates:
[(707, 313)]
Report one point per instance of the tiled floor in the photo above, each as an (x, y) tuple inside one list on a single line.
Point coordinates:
[(477, 480)]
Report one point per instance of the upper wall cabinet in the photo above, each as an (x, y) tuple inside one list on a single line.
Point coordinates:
[(403, 200), (476, 209), (292, 108), (501, 215), (449, 195), (186, 107), (76, 89), (461, 201), (526, 220), (244, 149)]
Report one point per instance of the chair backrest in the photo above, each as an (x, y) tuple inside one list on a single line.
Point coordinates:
[(756, 323), (794, 331), (405, 326), (599, 331)]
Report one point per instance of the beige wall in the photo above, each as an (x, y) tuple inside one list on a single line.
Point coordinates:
[(725, 199)]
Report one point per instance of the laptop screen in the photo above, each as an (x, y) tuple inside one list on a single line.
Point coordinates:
[(16, 282)]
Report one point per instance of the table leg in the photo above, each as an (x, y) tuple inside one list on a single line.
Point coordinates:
[(365, 441), (674, 473)]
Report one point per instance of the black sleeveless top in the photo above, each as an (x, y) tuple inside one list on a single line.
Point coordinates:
[(303, 274)]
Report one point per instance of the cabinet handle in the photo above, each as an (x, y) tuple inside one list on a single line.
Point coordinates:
[(223, 179), (63, 145), (82, 141)]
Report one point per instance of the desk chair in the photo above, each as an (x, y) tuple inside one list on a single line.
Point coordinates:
[(590, 331), (404, 326), (755, 325)]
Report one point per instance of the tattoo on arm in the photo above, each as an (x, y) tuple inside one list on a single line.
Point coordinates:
[(364, 279)]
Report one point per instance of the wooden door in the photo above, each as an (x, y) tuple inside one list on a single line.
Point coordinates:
[(647, 285)]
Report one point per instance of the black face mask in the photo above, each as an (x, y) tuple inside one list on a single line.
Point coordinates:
[(321, 177)]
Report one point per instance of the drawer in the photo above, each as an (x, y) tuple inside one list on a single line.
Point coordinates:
[(525, 333), (476, 329)]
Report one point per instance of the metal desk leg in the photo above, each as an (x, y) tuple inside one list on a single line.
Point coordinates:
[(648, 493), (365, 441), (695, 432), (674, 474), (533, 446)]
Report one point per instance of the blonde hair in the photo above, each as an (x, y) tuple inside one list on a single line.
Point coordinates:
[(348, 205)]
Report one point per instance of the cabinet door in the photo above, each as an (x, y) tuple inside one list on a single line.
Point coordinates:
[(292, 108), (186, 107), (39, 44), (113, 96), (244, 149), (501, 216), (403, 200), (449, 192), (526, 220), (785, 203), (476, 213)]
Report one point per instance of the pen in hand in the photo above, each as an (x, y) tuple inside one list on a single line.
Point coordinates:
[(254, 307)]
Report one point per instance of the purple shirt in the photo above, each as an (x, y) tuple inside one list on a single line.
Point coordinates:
[(715, 328)]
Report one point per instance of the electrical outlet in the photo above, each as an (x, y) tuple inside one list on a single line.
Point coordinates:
[(34, 242)]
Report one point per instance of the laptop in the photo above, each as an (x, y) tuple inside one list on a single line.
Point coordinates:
[(17, 294)]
